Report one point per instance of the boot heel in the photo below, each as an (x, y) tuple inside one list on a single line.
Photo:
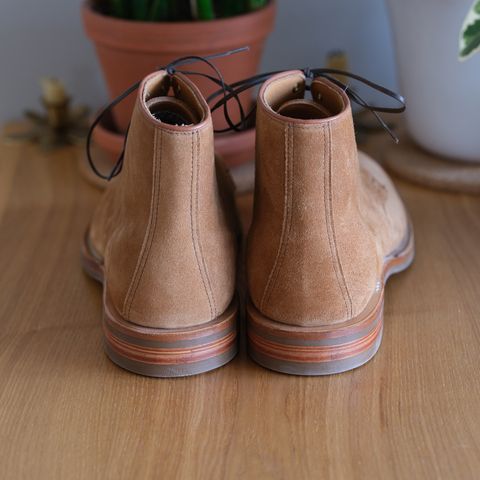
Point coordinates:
[(158, 352), (314, 350)]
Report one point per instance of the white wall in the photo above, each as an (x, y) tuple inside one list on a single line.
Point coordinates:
[(45, 37), (39, 38)]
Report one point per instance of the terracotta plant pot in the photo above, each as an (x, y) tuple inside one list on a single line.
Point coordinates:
[(129, 50), (109, 140), (234, 148)]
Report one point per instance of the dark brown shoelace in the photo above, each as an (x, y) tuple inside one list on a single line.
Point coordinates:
[(232, 91), (311, 73), (171, 68)]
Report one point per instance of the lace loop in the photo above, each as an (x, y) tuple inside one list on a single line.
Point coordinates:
[(234, 90), (171, 69), (311, 74)]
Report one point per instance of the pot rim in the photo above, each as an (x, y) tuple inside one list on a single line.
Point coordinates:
[(154, 37)]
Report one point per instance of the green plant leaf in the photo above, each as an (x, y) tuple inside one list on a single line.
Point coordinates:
[(470, 35), (120, 8), (205, 10), (256, 4), (230, 8), (472, 46), (159, 11), (471, 38), (140, 9), (472, 30)]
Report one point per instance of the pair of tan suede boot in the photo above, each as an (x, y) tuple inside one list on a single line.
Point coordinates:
[(328, 229)]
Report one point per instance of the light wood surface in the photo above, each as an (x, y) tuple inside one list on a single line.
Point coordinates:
[(66, 412)]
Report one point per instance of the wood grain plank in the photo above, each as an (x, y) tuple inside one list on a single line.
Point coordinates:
[(67, 412)]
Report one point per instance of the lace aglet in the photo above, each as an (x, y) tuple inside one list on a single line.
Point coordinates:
[(388, 129), (245, 48), (392, 135)]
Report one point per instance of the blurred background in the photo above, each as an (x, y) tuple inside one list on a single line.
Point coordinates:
[(47, 38), (425, 49)]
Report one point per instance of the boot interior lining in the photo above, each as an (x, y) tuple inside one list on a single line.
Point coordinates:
[(289, 97), (171, 102), (172, 111)]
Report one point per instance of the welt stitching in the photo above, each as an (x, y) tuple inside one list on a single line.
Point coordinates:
[(151, 228), (210, 290), (344, 280), (193, 229), (272, 271), (327, 200), (289, 207), (168, 132), (183, 134)]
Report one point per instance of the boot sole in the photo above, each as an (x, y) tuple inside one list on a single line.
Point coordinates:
[(160, 352), (329, 349)]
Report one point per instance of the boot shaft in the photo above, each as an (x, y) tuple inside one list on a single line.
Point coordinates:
[(309, 251), (172, 254)]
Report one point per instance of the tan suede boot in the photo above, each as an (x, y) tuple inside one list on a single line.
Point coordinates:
[(328, 230), (163, 240)]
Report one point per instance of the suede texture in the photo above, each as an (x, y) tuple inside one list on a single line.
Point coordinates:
[(162, 228), (324, 218)]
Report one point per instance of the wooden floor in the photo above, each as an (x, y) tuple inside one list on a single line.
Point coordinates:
[(67, 412)]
